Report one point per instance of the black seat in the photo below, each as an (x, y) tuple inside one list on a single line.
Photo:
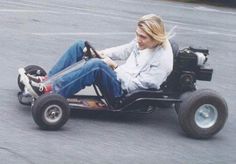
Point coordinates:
[(130, 97)]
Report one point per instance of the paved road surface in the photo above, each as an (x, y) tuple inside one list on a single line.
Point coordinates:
[(38, 32)]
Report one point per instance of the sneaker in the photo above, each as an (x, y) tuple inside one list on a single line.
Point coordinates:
[(37, 79), (34, 88), (37, 89), (22, 74)]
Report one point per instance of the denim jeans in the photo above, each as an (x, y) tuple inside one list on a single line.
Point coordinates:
[(94, 71)]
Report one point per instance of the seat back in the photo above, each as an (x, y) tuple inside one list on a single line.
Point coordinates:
[(175, 48), (170, 83)]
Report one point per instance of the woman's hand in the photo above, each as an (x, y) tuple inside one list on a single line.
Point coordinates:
[(104, 58)]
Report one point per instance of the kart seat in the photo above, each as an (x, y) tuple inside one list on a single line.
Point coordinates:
[(138, 94)]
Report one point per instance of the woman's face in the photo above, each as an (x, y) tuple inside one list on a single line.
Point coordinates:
[(144, 40)]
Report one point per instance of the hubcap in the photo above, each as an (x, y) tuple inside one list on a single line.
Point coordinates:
[(53, 113), (206, 116)]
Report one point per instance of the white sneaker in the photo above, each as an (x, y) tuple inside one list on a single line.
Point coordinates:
[(29, 85)]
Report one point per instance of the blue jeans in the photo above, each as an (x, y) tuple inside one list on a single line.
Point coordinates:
[(94, 71)]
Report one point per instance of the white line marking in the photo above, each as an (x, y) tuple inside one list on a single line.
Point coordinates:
[(55, 5), (83, 33), (202, 8), (202, 31), (26, 11), (192, 28), (72, 10), (199, 31), (207, 9), (22, 4), (49, 5)]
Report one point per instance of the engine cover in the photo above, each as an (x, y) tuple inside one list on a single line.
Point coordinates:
[(195, 61)]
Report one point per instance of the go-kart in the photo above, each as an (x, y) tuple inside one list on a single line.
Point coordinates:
[(201, 113)]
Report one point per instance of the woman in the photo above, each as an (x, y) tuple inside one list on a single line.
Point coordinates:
[(149, 60)]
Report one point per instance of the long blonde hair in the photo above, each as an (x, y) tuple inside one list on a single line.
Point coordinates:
[(154, 27)]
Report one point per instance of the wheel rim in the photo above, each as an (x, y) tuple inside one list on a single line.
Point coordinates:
[(53, 114), (206, 116)]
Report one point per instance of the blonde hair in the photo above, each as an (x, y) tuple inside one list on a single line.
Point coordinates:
[(154, 27)]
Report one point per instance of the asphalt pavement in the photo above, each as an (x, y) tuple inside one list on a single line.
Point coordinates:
[(38, 32)]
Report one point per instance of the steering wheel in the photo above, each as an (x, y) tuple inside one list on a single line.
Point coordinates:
[(91, 52)]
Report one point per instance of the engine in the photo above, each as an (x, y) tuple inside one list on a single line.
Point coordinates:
[(191, 65)]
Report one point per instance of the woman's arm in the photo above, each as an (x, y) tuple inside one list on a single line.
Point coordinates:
[(120, 52)]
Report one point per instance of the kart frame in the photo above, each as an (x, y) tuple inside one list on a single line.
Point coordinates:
[(202, 113), (151, 97)]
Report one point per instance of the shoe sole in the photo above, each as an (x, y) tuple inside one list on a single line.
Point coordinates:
[(25, 80)]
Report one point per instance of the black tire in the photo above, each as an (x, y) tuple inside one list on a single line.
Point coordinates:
[(182, 97), (50, 111), (193, 116), (32, 70)]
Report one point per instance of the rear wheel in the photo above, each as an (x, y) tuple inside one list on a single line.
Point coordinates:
[(182, 97), (32, 70), (50, 111), (202, 113)]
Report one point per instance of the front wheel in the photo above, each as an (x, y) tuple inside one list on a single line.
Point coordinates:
[(50, 111), (202, 113)]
